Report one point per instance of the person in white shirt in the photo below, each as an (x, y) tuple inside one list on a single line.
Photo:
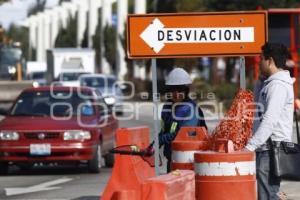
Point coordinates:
[(274, 119)]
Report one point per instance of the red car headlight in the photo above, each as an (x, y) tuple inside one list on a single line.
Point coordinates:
[(9, 135), (77, 135)]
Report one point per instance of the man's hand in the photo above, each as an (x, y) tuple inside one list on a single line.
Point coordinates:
[(150, 150)]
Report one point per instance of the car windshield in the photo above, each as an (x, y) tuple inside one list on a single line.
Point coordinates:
[(71, 76), (38, 75), (9, 56), (98, 82), (57, 103)]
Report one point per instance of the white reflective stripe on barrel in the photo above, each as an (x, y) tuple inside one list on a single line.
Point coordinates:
[(183, 156), (225, 168)]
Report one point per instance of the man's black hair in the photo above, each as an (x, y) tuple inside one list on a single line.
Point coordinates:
[(277, 51)]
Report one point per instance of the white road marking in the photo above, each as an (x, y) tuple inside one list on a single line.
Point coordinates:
[(36, 188)]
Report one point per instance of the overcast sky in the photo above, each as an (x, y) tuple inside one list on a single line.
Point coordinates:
[(16, 10)]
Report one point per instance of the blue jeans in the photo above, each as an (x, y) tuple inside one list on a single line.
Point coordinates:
[(267, 184)]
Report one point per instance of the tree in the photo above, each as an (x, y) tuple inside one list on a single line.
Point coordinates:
[(228, 5), (110, 45), (39, 7), (84, 42), (67, 37), (3, 1), (189, 5), (164, 6), (97, 40), (19, 34)]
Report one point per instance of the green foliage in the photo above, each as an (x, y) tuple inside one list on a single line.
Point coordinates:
[(40, 6), (19, 34), (231, 5), (114, 8), (109, 34), (110, 45), (223, 92), (84, 42), (63, 1), (97, 40), (150, 6), (279, 3), (131, 6), (188, 64), (189, 5), (199, 86), (218, 5), (166, 6), (67, 37)]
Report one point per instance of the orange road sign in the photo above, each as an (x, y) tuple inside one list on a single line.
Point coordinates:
[(196, 34)]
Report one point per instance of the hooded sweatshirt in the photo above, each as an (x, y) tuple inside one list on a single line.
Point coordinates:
[(274, 111)]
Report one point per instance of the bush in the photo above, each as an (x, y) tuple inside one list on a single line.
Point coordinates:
[(223, 92)]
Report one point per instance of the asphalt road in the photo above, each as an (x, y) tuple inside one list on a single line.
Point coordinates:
[(70, 183)]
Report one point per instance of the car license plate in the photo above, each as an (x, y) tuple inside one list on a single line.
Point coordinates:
[(40, 149)]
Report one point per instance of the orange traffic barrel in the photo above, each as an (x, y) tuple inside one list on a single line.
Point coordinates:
[(183, 154), (225, 176), (188, 141)]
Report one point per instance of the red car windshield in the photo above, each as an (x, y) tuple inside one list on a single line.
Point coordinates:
[(56, 103)]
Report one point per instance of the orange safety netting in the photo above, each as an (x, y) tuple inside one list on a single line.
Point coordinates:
[(238, 121)]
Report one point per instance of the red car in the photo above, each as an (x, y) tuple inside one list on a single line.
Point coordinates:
[(58, 124)]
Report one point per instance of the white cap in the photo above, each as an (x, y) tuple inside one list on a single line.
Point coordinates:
[(178, 76)]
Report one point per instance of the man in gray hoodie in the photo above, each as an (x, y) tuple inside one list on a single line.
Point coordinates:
[(275, 98)]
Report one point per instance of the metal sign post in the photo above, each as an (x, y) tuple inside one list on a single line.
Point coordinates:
[(155, 114), (242, 73)]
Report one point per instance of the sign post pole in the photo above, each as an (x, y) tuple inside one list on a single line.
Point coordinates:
[(155, 114), (242, 73)]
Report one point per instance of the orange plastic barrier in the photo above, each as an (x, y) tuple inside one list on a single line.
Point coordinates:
[(177, 185), (187, 142), (126, 195), (225, 176), (129, 171)]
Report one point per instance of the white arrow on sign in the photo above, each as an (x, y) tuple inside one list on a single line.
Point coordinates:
[(36, 188), (156, 36)]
